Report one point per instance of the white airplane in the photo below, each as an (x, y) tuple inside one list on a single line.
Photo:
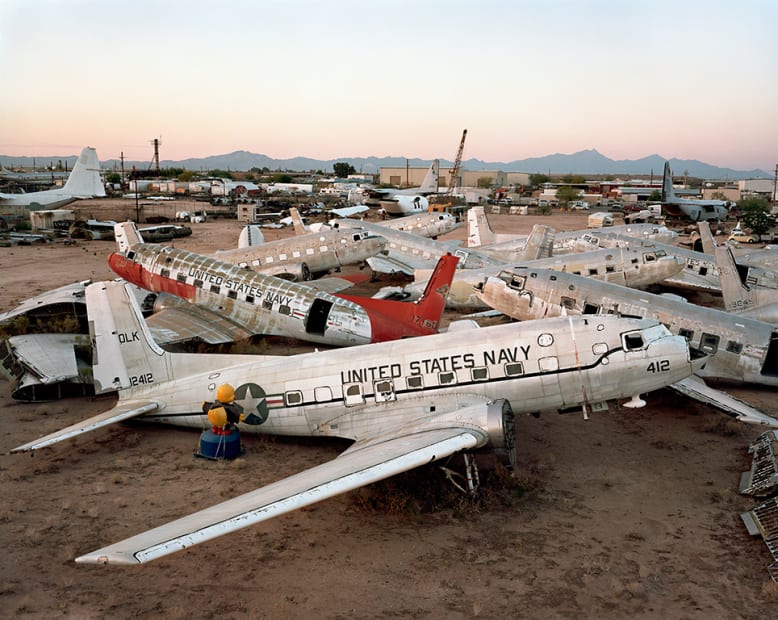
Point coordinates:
[(695, 209), (630, 267), (403, 404), (405, 251), (430, 224), (739, 349), (412, 199), (83, 182), (297, 258), (481, 235), (219, 295)]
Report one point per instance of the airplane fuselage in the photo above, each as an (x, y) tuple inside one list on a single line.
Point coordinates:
[(263, 304), (632, 267), (740, 349), (301, 257), (553, 364)]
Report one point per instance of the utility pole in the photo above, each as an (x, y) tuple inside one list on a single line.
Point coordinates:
[(156, 142)]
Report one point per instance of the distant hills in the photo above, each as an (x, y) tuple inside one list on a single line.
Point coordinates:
[(588, 162)]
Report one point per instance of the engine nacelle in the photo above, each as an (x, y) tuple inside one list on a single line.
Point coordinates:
[(501, 430)]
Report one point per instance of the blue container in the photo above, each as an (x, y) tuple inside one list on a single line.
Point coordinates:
[(213, 446)]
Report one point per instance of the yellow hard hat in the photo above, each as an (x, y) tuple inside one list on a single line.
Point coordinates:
[(225, 393), (217, 417)]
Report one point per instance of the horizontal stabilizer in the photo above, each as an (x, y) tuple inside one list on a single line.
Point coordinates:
[(697, 389), (123, 411), (360, 466)]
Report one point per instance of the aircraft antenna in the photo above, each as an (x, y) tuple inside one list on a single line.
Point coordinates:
[(457, 165)]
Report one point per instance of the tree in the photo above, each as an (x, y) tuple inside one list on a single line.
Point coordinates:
[(343, 169), (567, 194), (484, 182), (536, 179), (655, 196), (114, 178), (756, 215)]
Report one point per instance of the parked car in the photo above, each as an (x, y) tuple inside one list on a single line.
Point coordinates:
[(744, 238), (579, 205)]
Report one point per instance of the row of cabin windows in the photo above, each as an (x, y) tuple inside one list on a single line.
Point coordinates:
[(266, 303), (257, 262), (384, 389)]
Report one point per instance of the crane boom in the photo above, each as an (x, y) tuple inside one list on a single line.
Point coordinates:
[(457, 164)]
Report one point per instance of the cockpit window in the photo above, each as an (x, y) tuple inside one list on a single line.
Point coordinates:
[(633, 341)]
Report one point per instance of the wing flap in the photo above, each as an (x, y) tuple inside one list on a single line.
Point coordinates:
[(352, 469), (123, 411)]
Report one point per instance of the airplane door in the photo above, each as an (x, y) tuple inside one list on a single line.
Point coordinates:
[(316, 321)]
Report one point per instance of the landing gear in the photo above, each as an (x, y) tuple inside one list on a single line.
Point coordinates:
[(471, 479)]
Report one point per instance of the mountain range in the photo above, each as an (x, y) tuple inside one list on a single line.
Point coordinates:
[(587, 162)]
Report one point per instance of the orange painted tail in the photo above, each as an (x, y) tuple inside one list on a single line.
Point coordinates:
[(392, 319)]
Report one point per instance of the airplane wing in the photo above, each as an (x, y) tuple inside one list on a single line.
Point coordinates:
[(123, 411), (361, 464), (181, 321), (336, 284), (696, 389), (407, 265)]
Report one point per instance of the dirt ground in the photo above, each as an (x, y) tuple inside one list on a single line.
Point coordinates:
[(634, 513)]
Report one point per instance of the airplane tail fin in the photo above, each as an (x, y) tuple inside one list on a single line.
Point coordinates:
[(391, 319), (297, 221), (124, 354), (540, 243), (736, 295), (431, 181), (479, 232), (126, 235), (84, 180), (667, 184)]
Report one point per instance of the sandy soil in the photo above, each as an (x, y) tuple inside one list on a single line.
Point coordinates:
[(630, 514)]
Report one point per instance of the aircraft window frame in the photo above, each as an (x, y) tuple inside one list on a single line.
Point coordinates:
[(293, 398), (548, 364), (513, 369), (250, 299), (256, 262), (322, 394), (479, 373), (165, 273), (269, 260), (610, 269), (567, 302), (383, 389), (600, 348), (282, 256), (592, 271), (709, 343), (243, 265), (734, 347), (518, 282), (448, 377), (197, 283), (284, 309), (633, 341), (181, 277), (323, 249), (414, 382), (296, 254), (589, 308), (343, 241), (649, 257), (215, 288), (267, 304), (131, 255), (309, 251), (232, 294), (352, 394)]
